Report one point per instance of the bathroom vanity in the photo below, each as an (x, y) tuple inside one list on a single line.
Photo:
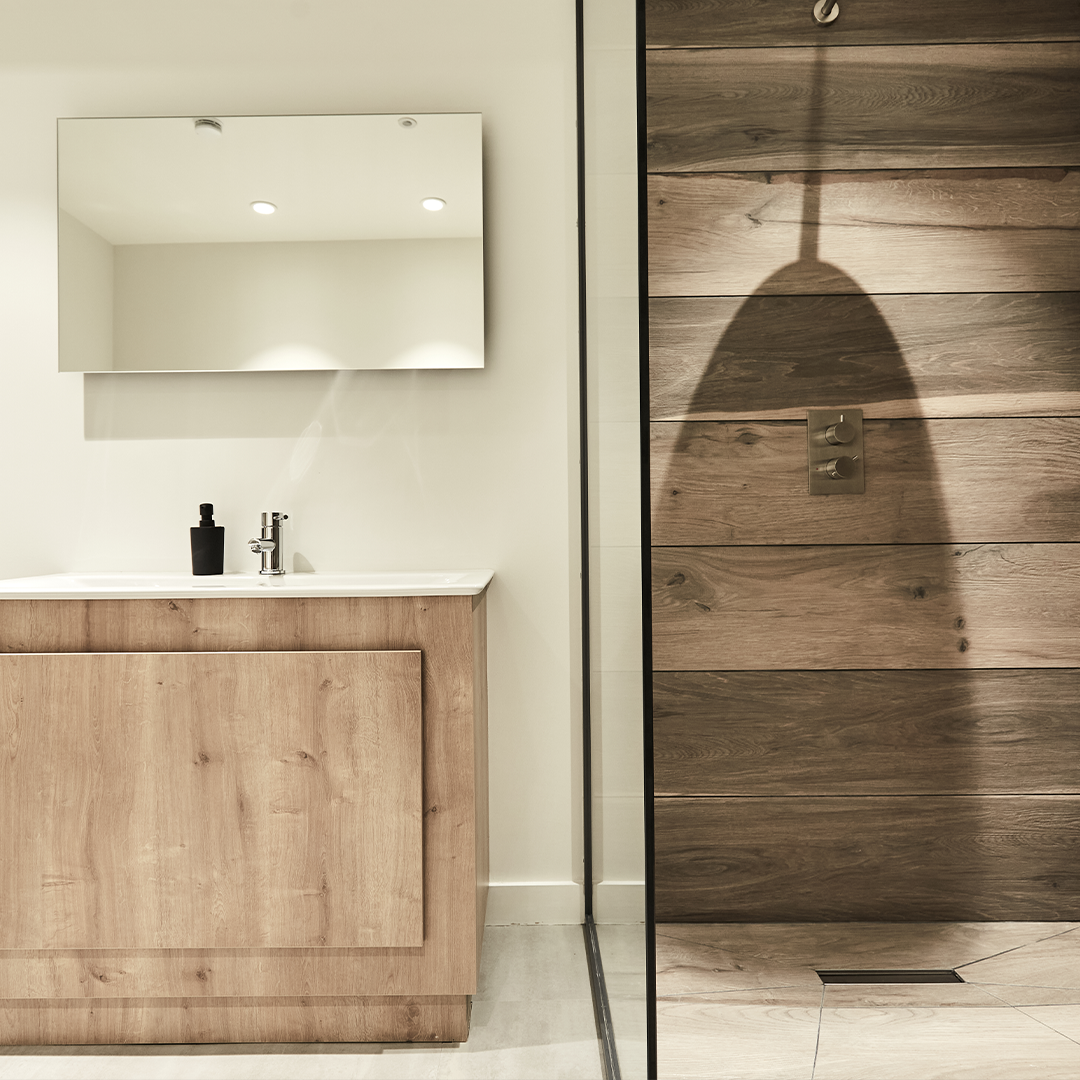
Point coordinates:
[(241, 809)]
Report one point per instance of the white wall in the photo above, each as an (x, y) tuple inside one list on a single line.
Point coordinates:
[(379, 469), (614, 461)]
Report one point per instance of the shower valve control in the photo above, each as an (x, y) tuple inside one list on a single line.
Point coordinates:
[(831, 473), (842, 468), (840, 434)]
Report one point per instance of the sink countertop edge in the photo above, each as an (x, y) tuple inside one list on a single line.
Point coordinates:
[(150, 586)]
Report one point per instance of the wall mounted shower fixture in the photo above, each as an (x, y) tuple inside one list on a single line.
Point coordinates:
[(834, 449), (826, 11)]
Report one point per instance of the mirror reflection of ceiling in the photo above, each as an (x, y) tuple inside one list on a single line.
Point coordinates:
[(159, 180)]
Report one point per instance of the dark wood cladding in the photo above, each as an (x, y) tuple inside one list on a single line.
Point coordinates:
[(958, 354), (742, 23), (931, 230), (937, 106), (902, 732), (865, 707), (841, 606), (741, 482), (820, 859)]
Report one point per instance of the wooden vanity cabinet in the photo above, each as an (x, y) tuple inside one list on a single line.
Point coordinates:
[(241, 820)]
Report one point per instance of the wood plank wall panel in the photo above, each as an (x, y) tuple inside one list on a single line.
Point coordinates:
[(889, 225), (929, 858), (935, 355), (898, 231), (746, 483), (866, 606), (904, 732), (740, 23), (974, 106), (211, 799), (442, 628)]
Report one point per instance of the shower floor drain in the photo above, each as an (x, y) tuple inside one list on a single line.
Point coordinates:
[(889, 975)]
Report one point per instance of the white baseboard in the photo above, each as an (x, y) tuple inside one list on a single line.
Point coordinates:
[(619, 902), (512, 903)]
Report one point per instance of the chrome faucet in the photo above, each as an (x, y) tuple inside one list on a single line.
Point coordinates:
[(269, 545)]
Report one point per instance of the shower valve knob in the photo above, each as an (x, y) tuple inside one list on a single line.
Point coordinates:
[(841, 468), (840, 434)]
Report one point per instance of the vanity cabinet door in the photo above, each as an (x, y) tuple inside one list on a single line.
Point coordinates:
[(199, 800)]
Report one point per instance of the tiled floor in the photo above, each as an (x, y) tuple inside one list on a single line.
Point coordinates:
[(622, 951), (743, 1002), (532, 1019)]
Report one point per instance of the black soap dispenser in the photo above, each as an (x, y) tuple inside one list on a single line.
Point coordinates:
[(207, 544)]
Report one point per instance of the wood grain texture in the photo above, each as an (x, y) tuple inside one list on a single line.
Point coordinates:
[(891, 107), (442, 629), (914, 606), (157, 800), (927, 481), (240, 1019), (740, 23), (866, 732), (934, 355), (926, 858), (949, 230)]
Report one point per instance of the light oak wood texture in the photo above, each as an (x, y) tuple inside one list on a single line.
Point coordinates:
[(171, 800), (242, 1019), (947, 230), (986, 480), (898, 107), (942, 1044), (866, 732), (890, 859), (915, 606), (442, 629), (932, 355), (741, 23)]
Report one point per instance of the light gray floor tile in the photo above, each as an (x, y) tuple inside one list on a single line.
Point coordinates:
[(534, 963), (941, 1044), (225, 1063), (622, 951), (527, 1039), (734, 1042)]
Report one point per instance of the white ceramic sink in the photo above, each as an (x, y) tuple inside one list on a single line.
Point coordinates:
[(119, 586)]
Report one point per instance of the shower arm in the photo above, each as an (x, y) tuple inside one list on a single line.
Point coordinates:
[(825, 11)]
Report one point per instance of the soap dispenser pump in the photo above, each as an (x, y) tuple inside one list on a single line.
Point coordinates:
[(207, 544)]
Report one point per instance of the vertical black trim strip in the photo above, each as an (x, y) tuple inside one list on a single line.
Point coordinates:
[(646, 549), (583, 461)]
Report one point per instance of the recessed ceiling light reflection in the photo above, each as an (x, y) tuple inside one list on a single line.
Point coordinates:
[(433, 204), (263, 207)]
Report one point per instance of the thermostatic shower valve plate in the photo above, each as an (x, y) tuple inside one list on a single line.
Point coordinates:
[(834, 450)]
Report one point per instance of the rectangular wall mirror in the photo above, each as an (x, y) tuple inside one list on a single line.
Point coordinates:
[(236, 243)]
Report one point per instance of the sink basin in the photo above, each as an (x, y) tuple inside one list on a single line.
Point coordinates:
[(119, 586)]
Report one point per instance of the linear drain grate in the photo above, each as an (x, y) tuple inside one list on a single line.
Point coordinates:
[(889, 975)]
